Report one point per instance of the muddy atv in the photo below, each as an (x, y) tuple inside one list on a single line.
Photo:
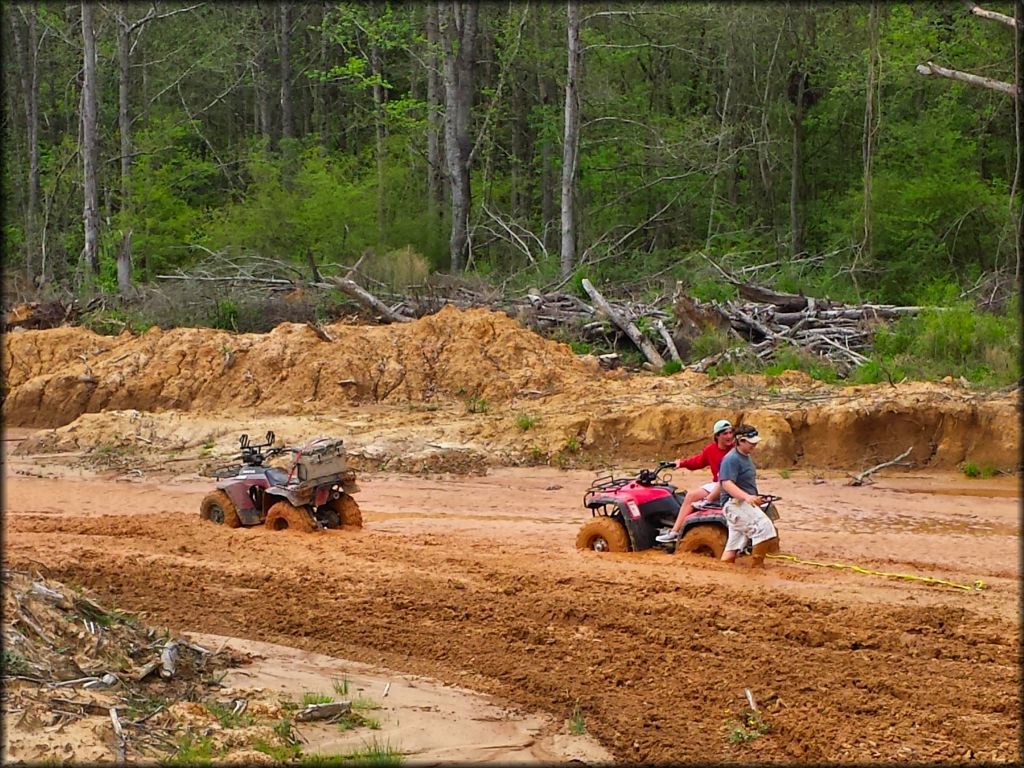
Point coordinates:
[(629, 512), (314, 493)]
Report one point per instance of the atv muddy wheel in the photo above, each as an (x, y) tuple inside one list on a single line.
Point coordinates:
[(284, 516), (603, 534), (704, 540), (348, 512), (218, 508)]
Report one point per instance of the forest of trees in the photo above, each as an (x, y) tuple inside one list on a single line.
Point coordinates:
[(861, 150)]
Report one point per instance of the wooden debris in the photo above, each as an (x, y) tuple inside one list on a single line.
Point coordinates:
[(119, 732), (862, 478), (169, 660), (323, 711), (627, 326), (320, 332), (146, 670), (368, 300)]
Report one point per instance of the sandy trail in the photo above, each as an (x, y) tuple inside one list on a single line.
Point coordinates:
[(474, 581)]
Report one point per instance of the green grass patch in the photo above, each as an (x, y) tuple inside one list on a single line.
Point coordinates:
[(577, 723), (751, 726), (525, 422), (190, 750), (282, 753), (13, 663), (672, 366)]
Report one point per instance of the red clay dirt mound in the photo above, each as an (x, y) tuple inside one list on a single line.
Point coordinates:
[(400, 389), (51, 377)]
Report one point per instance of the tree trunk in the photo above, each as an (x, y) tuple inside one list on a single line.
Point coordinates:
[(571, 140), (377, 69), (90, 142), (435, 170), (459, 44), (124, 264), (262, 78), (123, 119), (284, 16), (1018, 178), (28, 57), (870, 128)]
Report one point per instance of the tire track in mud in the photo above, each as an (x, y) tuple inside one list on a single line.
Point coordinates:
[(657, 665)]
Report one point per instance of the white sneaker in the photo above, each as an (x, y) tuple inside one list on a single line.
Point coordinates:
[(667, 538)]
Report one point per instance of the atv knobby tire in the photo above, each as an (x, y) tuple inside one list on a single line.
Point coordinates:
[(704, 539), (348, 512), (285, 516), (218, 508), (603, 534)]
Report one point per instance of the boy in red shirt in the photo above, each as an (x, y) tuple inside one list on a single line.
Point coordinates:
[(711, 456)]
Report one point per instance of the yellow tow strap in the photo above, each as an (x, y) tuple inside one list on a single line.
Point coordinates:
[(977, 585)]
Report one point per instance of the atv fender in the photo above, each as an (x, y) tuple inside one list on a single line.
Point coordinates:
[(713, 515), (641, 535), (296, 497)]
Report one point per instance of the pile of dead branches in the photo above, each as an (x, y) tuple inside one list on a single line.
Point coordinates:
[(840, 333), (768, 321)]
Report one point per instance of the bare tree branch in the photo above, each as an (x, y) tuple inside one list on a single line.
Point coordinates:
[(977, 10), (930, 68)]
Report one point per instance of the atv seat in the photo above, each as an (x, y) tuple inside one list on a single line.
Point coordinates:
[(277, 476)]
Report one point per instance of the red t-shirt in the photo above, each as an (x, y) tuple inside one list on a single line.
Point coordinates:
[(711, 456)]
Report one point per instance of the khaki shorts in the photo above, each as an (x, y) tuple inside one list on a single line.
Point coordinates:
[(746, 522)]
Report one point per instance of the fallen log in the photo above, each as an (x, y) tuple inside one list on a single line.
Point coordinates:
[(323, 711), (367, 299), (862, 477), (628, 327)]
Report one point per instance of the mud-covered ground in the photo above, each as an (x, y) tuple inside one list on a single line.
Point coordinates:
[(473, 580)]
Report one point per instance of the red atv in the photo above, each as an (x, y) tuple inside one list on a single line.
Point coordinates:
[(628, 512), (313, 494)]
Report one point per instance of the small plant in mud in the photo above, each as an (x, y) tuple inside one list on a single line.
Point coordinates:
[(340, 686), (362, 703), (525, 421), (972, 470), (351, 720), (751, 726), (192, 751), (577, 724), (671, 367), (572, 445), (784, 474), (477, 405), (281, 753), (536, 455), (12, 663)]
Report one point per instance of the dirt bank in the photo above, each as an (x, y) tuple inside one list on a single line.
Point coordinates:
[(474, 382)]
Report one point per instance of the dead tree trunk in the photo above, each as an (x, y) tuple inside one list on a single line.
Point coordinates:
[(435, 161), (28, 57), (376, 67), (458, 27), (284, 54), (1017, 199), (628, 327), (262, 76), (90, 143), (571, 140)]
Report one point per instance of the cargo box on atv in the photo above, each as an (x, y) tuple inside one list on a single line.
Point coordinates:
[(319, 459)]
